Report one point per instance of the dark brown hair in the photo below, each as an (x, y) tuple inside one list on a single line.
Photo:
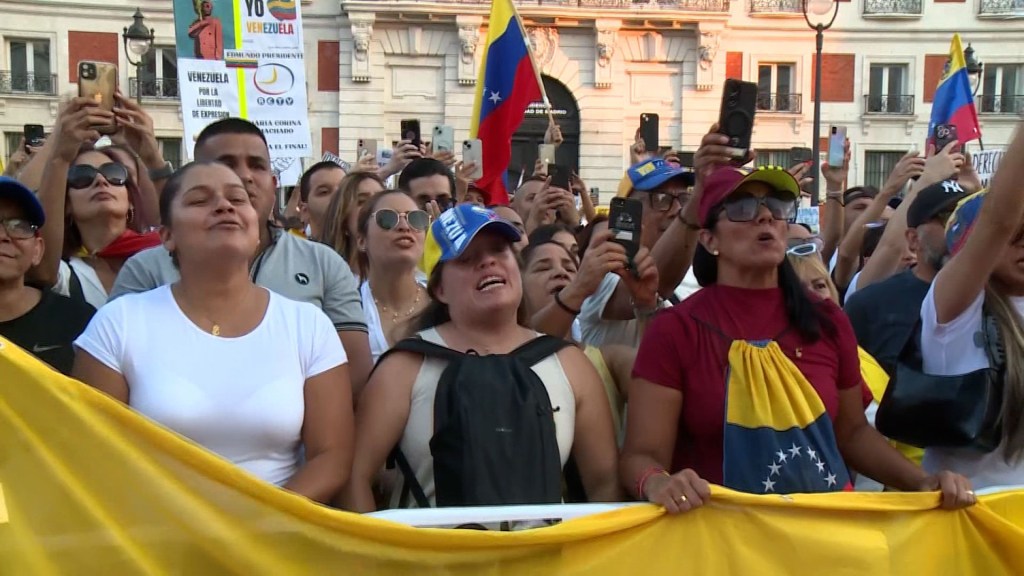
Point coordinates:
[(72, 236)]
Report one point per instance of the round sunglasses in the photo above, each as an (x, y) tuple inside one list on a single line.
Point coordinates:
[(83, 175), (744, 207), (388, 219)]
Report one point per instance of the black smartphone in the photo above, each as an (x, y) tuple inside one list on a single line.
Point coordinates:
[(944, 134), (411, 132), (799, 155), (561, 176), (736, 115), (35, 136), (649, 131), (624, 218)]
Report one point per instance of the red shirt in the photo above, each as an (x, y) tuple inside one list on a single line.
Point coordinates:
[(686, 348)]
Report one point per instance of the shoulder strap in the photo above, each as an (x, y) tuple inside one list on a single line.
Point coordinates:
[(417, 345), (540, 348), (75, 291), (992, 340), (409, 482)]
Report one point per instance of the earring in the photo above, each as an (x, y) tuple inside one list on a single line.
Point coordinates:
[(714, 252), (131, 214)]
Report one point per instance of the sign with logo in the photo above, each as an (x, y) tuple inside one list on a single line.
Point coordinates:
[(244, 58), (985, 164)]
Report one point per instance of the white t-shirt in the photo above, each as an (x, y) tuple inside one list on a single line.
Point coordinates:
[(688, 287), (948, 350), (596, 331), (242, 398), (852, 288), (93, 290)]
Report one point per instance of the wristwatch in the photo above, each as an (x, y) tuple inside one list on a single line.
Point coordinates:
[(161, 173)]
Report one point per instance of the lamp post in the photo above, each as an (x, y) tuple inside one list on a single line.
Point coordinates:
[(137, 40), (820, 9), (974, 69)]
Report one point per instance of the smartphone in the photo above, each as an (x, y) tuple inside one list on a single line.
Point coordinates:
[(365, 146), (444, 139), (561, 176), (649, 131), (473, 151), (736, 115), (411, 132), (546, 153), (35, 136), (624, 218), (595, 196), (98, 81), (944, 134), (837, 145), (799, 155)]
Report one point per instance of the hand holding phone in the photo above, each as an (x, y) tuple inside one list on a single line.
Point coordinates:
[(411, 132), (444, 139), (473, 151), (98, 82), (625, 216), (561, 176), (837, 147), (736, 116), (944, 134), (35, 136)]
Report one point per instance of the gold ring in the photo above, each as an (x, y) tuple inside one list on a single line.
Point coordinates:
[(970, 492), (682, 498)]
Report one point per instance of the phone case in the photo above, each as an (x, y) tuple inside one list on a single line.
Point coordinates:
[(837, 146), (444, 139), (411, 131), (366, 146), (560, 176), (546, 153), (35, 135), (736, 115), (624, 219), (100, 86), (473, 151), (944, 134), (649, 131)]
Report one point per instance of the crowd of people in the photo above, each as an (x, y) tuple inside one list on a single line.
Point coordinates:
[(373, 346)]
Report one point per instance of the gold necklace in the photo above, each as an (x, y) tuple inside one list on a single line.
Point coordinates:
[(395, 314)]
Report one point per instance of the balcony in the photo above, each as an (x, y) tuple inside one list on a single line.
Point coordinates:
[(1001, 9), (22, 83), (782, 103), (892, 8), (889, 104), (158, 88), (776, 8), (1001, 104)]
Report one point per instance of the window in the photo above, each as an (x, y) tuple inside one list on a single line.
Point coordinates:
[(887, 90), (29, 68), (773, 158), (1002, 89), (878, 166), (11, 141), (775, 88), (170, 149), (158, 77)]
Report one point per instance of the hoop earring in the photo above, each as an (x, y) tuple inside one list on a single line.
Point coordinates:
[(131, 214)]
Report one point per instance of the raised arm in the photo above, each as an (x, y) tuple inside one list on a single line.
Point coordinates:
[(835, 218)]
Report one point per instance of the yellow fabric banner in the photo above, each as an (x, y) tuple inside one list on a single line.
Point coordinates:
[(92, 488)]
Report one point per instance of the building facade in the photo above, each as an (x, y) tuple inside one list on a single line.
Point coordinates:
[(370, 64)]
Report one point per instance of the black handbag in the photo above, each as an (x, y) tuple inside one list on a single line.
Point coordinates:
[(946, 411)]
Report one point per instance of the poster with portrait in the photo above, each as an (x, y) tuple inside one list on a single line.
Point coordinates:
[(244, 58)]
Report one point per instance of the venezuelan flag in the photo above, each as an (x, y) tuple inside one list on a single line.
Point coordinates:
[(953, 102), (506, 86), (282, 9)]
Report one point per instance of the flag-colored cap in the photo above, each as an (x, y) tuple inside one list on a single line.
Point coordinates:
[(964, 217), (453, 231), (721, 183), (649, 174)]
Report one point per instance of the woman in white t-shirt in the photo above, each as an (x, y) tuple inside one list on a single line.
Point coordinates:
[(391, 229), (985, 236), (253, 376)]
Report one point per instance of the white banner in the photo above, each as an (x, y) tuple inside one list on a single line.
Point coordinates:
[(244, 58), (985, 163)]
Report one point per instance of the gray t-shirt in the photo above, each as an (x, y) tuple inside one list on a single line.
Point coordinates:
[(293, 267)]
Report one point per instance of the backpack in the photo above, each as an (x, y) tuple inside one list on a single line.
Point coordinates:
[(494, 439)]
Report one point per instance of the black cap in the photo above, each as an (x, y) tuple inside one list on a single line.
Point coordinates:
[(933, 200), (858, 192)]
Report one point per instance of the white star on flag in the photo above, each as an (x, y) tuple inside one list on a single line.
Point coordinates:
[(831, 479), (773, 469), (769, 485), (495, 97), (820, 465), (812, 454), (782, 456), (794, 451)]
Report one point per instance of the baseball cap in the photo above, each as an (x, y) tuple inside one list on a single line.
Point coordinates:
[(454, 230), (649, 174), (963, 219), (19, 193), (721, 183), (858, 192), (933, 200)]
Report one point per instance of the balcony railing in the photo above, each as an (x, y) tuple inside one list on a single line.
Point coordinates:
[(892, 7), (160, 88), (1002, 8), (685, 5), (776, 7), (894, 104), (21, 83), (785, 103), (1001, 104)]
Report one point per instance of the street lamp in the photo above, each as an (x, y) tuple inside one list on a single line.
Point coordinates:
[(137, 40), (820, 9), (974, 69)]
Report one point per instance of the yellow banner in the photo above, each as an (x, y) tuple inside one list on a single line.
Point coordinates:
[(92, 488)]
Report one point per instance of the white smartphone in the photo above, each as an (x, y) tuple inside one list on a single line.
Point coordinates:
[(837, 146), (365, 146), (546, 152), (444, 139), (473, 151)]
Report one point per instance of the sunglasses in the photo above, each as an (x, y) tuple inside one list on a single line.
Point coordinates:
[(388, 219), (19, 229), (744, 207), (83, 175), (803, 249)]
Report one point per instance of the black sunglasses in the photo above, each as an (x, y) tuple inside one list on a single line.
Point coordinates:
[(744, 207), (83, 175), (388, 219)]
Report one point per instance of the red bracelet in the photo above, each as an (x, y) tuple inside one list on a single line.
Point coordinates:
[(653, 470)]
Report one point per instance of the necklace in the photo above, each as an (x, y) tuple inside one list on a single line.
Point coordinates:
[(394, 313)]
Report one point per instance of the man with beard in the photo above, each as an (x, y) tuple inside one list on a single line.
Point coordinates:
[(884, 314)]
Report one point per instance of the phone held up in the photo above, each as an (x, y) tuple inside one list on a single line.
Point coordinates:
[(98, 81), (444, 139), (561, 176), (624, 219), (837, 146), (411, 132), (649, 131), (35, 136), (944, 134), (473, 151), (736, 116)]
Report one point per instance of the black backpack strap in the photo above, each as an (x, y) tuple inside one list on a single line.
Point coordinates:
[(409, 482), (540, 348), (75, 291), (992, 341)]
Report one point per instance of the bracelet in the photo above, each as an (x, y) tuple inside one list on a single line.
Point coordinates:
[(564, 306), (653, 470)]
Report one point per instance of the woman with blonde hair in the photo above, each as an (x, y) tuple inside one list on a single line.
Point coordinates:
[(341, 218)]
